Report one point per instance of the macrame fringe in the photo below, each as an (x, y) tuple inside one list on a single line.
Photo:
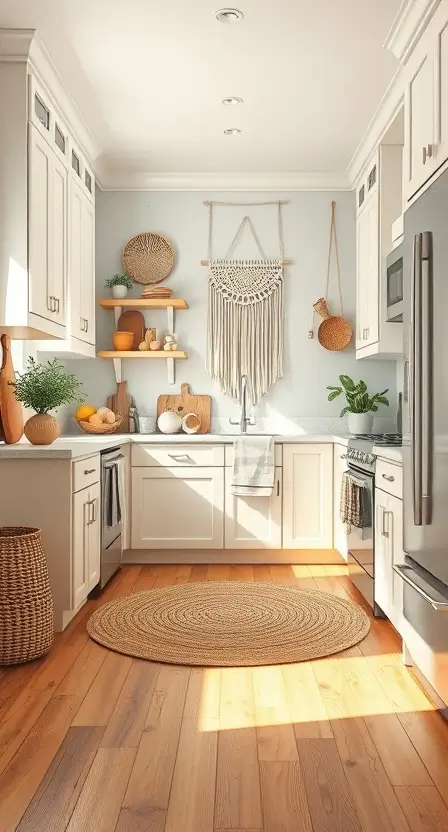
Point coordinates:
[(245, 326)]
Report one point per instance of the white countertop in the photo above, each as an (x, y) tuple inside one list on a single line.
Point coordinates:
[(71, 447)]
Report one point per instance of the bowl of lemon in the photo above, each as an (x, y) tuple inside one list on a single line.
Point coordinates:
[(100, 421)]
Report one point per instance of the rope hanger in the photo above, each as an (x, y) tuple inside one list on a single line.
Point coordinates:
[(245, 221)]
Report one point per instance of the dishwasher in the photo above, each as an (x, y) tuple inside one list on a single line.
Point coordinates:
[(112, 513)]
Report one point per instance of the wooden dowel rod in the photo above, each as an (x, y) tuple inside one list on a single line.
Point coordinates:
[(284, 262), (255, 204)]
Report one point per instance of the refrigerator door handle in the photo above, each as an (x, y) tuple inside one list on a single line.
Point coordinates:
[(416, 379), (427, 380)]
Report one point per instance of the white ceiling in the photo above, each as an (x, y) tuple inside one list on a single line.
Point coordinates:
[(149, 75)]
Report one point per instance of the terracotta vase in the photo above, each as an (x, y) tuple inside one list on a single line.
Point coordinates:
[(123, 341), (42, 429)]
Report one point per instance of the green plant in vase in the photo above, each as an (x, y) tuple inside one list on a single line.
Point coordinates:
[(45, 387), (120, 285), (360, 405)]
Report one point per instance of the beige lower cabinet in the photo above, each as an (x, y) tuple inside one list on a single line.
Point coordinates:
[(253, 522), (389, 553), (86, 514), (308, 496), (340, 528), (177, 508)]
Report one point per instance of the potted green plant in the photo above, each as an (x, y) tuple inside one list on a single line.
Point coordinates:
[(120, 285), (45, 387), (360, 406)]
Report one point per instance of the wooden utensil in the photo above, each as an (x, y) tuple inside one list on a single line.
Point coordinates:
[(10, 408), (185, 402), (132, 321), (120, 403)]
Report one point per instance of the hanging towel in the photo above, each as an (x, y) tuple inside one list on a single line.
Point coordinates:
[(113, 497), (253, 466), (355, 506)]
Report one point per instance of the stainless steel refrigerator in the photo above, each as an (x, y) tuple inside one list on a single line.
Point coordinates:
[(425, 436)]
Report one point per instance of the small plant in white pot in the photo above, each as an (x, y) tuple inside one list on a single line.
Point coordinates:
[(360, 406), (120, 285)]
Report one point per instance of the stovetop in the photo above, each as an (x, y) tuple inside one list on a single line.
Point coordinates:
[(391, 439)]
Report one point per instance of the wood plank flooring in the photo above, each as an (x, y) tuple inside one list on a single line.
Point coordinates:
[(90, 739)]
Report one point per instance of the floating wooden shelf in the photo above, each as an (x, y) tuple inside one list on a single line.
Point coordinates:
[(144, 303), (141, 354)]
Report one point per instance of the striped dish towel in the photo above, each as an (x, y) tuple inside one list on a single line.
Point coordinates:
[(253, 466)]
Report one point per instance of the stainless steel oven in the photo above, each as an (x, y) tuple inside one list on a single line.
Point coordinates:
[(112, 510), (395, 284), (361, 540)]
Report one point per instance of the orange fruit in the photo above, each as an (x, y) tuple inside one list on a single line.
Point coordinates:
[(84, 412)]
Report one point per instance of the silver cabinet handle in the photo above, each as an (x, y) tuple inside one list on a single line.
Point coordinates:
[(384, 532), (89, 471), (428, 151), (87, 325), (343, 456), (56, 305), (94, 510), (52, 306), (427, 377), (88, 505), (81, 324), (180, 457), (416, 378), (388, 477), (278, 488), (416, 581)]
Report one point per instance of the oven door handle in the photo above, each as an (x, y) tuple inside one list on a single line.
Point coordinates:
[(426, 591)]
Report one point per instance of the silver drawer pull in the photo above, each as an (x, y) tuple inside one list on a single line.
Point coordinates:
[(388, 477), (181, 457), (417, 581), (343, 456), (89, 471)]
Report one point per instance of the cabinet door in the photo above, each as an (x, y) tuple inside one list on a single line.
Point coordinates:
[(367, 274), (94, 532), (382, 556), (58, 238), (80, 547), (88, 270), (441, 98), (340, 529), (177, 508), (419, 105), (75, 276), (253, 522), (39, 222), (394, 530), (308, 496)]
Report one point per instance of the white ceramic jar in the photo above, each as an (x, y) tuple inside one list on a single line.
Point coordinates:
[(169, 422)]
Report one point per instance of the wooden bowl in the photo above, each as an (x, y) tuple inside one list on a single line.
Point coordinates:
[(88, 428)]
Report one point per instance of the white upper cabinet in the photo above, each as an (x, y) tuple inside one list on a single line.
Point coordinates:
[(308, 496), (379, 203), (81, 264), (426, 105)]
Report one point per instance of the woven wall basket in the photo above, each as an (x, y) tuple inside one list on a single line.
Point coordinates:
[(26, 605), (335, 332), (148, 258)]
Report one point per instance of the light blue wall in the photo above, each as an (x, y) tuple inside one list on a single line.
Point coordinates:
[(183, 218)]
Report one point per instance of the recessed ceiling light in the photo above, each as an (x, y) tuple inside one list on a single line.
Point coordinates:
[(232, 99), (229, 15), (232, 131)]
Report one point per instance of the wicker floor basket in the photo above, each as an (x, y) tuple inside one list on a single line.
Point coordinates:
[(26, 605)]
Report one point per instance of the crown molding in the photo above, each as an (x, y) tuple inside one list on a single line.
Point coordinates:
[(25, 46), (390, 104), (408, 26), (114, 179)]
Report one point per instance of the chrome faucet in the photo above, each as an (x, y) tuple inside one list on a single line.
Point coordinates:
[(244, 420)]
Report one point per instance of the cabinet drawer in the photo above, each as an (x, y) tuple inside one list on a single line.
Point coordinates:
[(171, 456), (389, 478), (278, 455), (85, 472)]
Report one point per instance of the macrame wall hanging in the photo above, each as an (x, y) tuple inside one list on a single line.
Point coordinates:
[(245, 315)]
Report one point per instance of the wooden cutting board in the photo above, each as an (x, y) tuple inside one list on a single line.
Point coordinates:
[(132, 321), (120, 403), (185, 402), (10, 408)]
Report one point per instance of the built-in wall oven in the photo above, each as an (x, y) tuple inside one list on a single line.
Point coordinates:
[(394, 284)]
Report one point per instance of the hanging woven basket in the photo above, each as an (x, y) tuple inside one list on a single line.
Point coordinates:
[(148, 258), (334, 333), (26, 605)]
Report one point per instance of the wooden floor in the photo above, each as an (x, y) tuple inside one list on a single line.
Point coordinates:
[(91, 740)]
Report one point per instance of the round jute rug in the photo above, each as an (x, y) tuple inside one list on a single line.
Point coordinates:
[(229, 624)]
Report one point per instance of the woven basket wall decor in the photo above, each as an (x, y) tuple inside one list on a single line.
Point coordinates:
[(148, 258), (26, 605), (335, 332)]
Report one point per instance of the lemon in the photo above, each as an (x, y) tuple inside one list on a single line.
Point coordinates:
[(84, 412)]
